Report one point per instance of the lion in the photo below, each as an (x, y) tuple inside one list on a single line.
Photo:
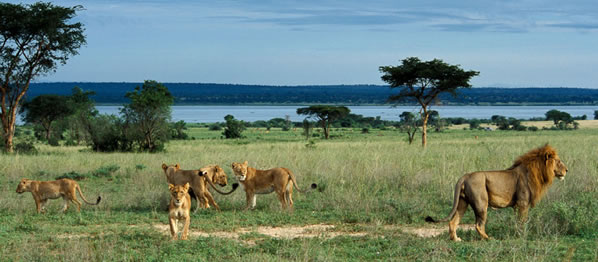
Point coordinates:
[(256, 181), (521, 186), (212, 174), (179, 209), (44, 190)]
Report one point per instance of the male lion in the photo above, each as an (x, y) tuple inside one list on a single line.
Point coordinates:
[(44, 190), (255, 181), (179, 209), (197, 179), (520, 186)]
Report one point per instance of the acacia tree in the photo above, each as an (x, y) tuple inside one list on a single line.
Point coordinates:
[(325, 115), (148, 114), (423, 82), (45, 110), (34, 40)]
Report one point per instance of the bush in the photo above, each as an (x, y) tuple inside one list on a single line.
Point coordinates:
[(233, 128), (26, 147), (105, 171), (215, 127), (109, 134), (533, 128), (72, 175)]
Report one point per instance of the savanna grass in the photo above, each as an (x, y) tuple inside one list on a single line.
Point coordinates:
[(374, 182)]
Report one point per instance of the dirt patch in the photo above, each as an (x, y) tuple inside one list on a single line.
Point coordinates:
[(309, 231)]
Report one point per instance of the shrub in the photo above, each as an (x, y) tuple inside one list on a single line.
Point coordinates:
[(105, 171), (26, 147), (215, 127), (234, 128)]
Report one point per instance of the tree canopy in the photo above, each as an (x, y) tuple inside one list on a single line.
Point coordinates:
[(35, 39), (423, 82), (149, 114), (46, 109), (325, 115)]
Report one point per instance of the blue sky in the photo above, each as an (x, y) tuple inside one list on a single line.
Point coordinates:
[(512, 43)]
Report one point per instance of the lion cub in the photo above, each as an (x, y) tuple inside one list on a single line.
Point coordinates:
[(256, 181), (179, 209), (44, 190)]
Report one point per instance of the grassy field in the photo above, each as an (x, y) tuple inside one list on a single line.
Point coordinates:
[(374, 192)]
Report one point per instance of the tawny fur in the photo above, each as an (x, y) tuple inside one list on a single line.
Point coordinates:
[(179, 210), (280, 180), (44, 190), (198, 180), (521, 186)]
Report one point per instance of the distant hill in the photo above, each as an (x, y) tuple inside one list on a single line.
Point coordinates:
[(212, 94)]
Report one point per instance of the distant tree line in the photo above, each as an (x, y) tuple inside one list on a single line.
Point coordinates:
[(231, 94), (142, 125)]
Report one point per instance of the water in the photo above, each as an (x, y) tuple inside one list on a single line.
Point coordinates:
[(210, 114)]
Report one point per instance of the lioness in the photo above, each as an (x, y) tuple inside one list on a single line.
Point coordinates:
[(520, 186), (44, 190), (179, 209), (256, 181), (197, 179)]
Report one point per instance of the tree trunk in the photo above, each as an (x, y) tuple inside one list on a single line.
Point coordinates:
[(327, 130), (48, 134), (8, 135), (424, 126)]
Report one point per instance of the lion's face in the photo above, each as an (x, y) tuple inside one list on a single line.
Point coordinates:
[(24, 186), (560, 170), (170, 169), (219, 176), (240, 170), (178, 193)]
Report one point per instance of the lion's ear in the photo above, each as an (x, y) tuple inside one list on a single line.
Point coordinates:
[(177, 166), (170, 187), (245, 163), (164, 166), (186, 186)]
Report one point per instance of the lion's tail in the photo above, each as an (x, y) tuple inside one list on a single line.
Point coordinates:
[(235, 185), (83, 197), (292, 176), (458, 187)]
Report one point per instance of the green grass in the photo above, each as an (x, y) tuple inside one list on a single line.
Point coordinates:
[(374, 183)]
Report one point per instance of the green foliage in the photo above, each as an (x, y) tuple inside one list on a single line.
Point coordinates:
[(77, 124), (233, 127), (177, 130), (147, 115), (45, 109), (215, 127), (325, 115), (474, 124), (596, 115), (409, 124), (557, 116), (423, 82), (102, 172), (107, 133), (36, 39), (26, 147)]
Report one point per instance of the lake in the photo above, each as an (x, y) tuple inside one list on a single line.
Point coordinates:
[(210, 114)]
